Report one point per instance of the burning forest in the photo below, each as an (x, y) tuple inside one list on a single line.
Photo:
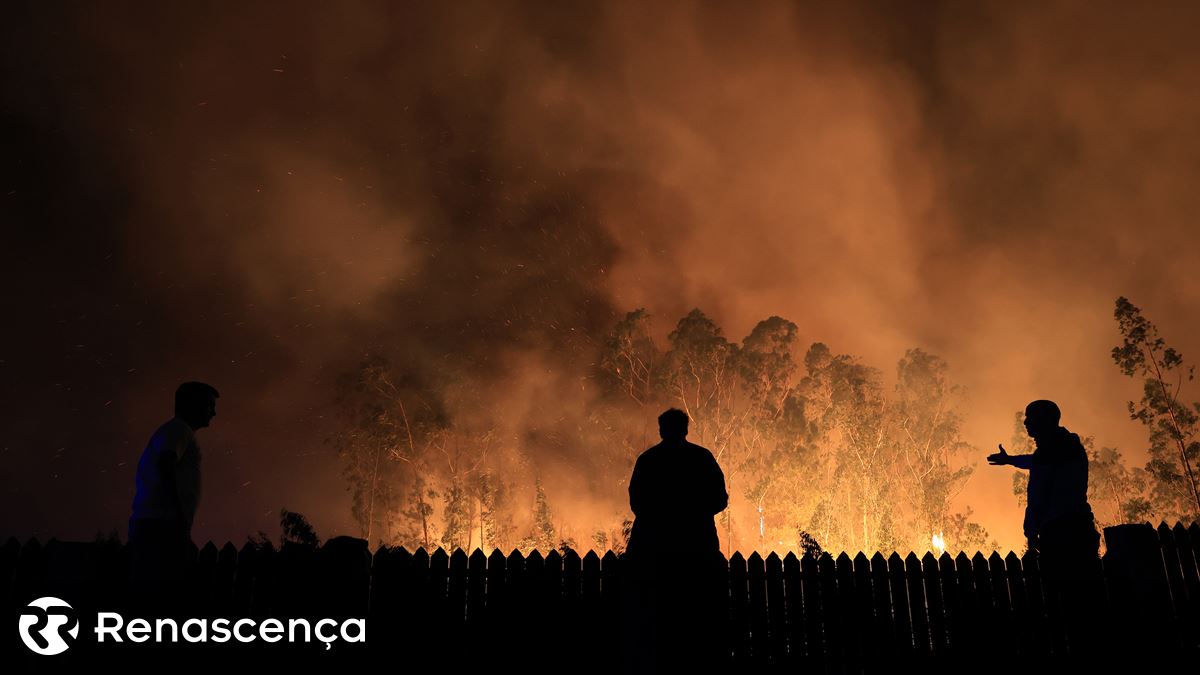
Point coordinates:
[(816, 449), (443, 263)]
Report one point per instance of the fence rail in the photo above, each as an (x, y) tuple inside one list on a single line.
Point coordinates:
[(826, 614)]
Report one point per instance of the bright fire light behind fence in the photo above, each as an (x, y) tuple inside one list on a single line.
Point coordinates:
[(939, 544)]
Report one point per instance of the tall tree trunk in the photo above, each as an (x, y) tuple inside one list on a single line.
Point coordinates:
[(424, 522), (412, 449), (371, 499), (1183, 459)]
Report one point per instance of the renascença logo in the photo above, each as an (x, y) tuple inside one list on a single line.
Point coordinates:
[(49, 626)]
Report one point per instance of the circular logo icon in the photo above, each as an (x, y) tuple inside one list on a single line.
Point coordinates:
[(49, 626)]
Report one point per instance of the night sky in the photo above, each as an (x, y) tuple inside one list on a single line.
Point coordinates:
[(257, 196)]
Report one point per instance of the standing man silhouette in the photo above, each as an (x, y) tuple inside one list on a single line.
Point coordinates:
[(675, 569), (1059, 524), (168, 493), (1058, 519)]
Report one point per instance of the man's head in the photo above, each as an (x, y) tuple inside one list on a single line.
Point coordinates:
[(673, 425), (1041, 417), (196, 403)]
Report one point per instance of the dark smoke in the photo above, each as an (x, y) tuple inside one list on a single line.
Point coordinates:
[(258, 196)]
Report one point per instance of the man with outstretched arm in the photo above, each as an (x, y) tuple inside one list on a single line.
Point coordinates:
[(1059, 526), (1058, 518)]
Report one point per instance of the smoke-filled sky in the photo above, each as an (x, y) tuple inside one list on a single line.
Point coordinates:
[(257, 195)]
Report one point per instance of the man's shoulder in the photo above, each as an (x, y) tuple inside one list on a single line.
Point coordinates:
[(650, 453), (657, 452), (172, 433), (689, 453), (1072, 444), (1063, 447), (667, 448), (175, 428)]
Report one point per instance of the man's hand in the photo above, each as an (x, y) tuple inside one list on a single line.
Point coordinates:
[(1000, 458)]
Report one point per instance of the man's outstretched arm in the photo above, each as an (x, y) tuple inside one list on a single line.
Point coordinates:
[(1002, 458)]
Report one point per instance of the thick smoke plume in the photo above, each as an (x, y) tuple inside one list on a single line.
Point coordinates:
[(263, 197)]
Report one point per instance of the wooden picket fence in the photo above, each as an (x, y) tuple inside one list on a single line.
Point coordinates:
[(826, 614)]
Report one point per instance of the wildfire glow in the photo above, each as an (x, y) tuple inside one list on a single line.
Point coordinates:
[(939, 543)]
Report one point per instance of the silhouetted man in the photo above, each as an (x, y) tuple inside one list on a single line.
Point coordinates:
[(168, 493), (1058, 519), (674, 602)]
